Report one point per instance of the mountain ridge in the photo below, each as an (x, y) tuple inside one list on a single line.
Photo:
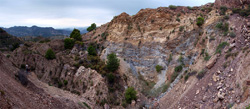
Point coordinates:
[(21, 31)]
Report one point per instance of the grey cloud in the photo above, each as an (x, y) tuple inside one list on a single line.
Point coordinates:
[(26, 12)]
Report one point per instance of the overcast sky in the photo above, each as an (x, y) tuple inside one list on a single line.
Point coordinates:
[(76, 13)]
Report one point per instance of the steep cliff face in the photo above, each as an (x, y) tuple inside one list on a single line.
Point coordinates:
[(149, 38), (232, 3), (170, 38)]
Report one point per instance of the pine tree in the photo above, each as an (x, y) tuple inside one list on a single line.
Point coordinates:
[(50, 54), (113, 62), (75, 34)]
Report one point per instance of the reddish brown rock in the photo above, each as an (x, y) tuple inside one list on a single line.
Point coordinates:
[(231, 3), (211, 62)]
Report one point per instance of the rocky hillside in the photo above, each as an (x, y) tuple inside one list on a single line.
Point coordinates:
[(174, 57), (7, 41), (18, 91), (232, 3)]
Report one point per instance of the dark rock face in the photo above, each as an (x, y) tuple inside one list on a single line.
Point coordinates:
[(232, 3), (7, 40)]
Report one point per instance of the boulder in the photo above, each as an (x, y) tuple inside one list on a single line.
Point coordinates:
[(221, 95), (212, 61), (204, 98), (133, 103), (215, 78), (197, 92)]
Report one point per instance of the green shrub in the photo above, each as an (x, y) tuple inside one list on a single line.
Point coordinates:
[(113, 62), (111, 78), (178, 68), (219, 25), (75, 34), (221, 46), (45, 41), (103, 102), (244, 13), (201, 74), (124, 104), (65, 82), (92, 27), (202, 51), (181, 59), (92, 50), (104, 35), (8, 56), (77, 65), (174, 76), (223, 10), (207, 57), (202, 9), (190, 8), (69, 43), (181, 28), (236, 10), (200, 21), (232, 35), (165, 87), (223, 26), (178, 19), (186, 77), (170, 58), (130, 94), (2, 92), (158, 68), (209, 9), (172, 6), (226, 17), (76, 92), (79, 43), (22, 66), (248, 107), (14, 46), (60, 84), (85, 104), (50, 55), (179, 14)]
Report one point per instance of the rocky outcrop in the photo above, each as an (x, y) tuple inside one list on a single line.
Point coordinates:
[(232, 3), (14, 95), (7, 41), (92, 83), (212, 61)]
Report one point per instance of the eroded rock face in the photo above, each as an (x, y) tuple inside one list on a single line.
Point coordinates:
[(15, 95), (94, 84), (232, 3)]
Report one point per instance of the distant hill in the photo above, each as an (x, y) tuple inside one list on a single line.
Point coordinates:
[(82, 29), (7, 41), (21, 31)]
